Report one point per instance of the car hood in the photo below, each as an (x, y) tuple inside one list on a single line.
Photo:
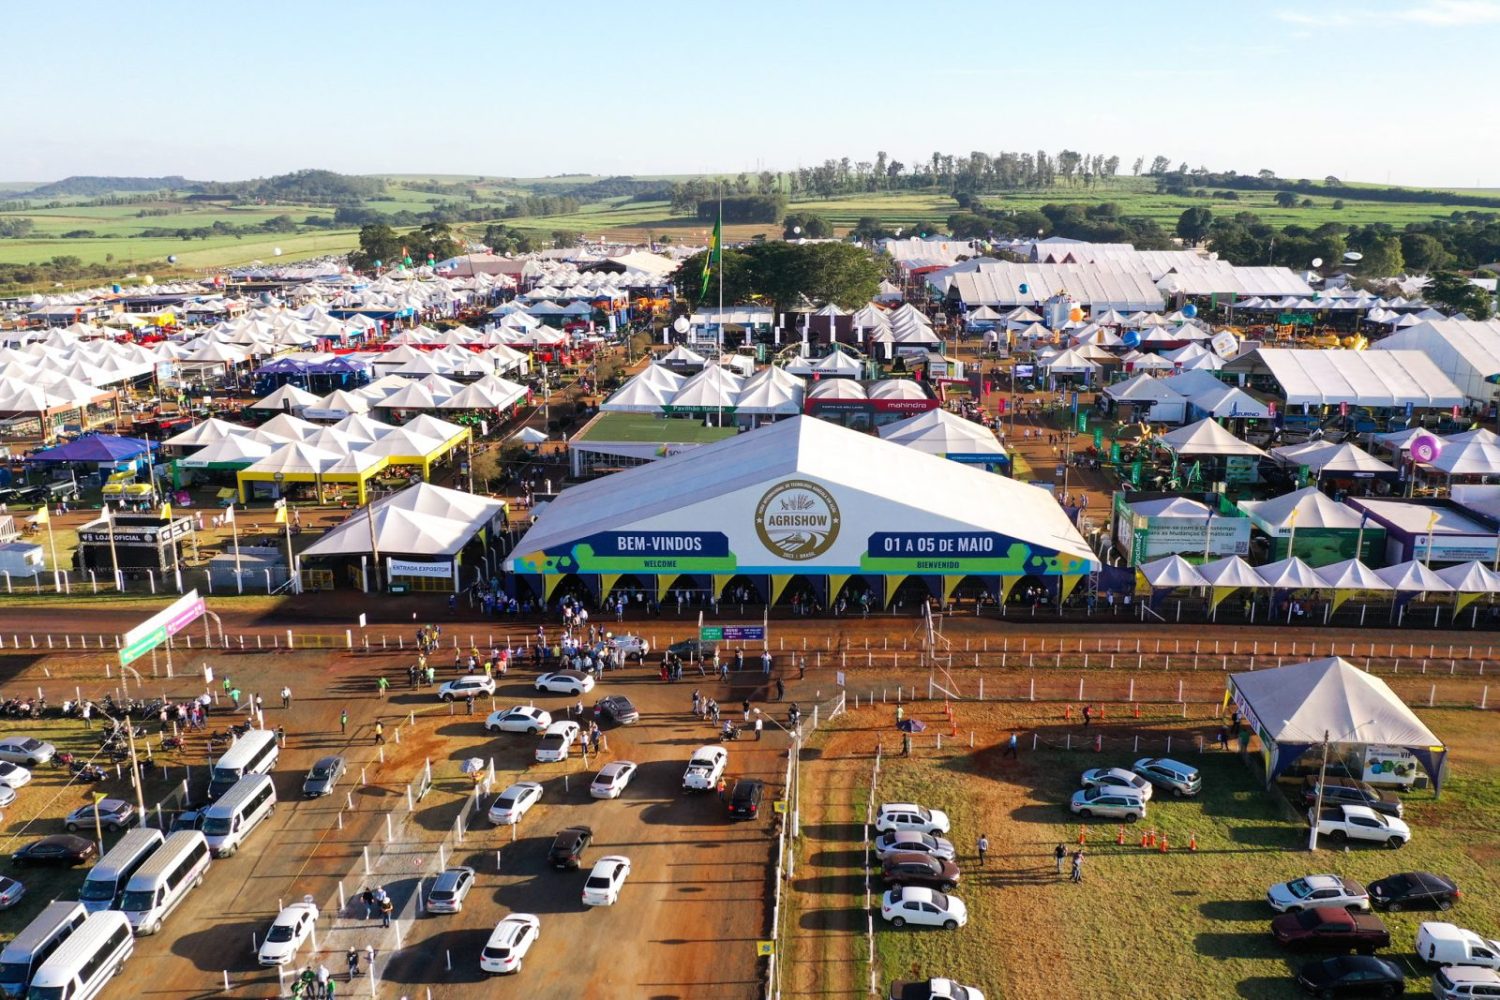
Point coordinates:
[(1281, 894), (277, 951), (1286, 925)]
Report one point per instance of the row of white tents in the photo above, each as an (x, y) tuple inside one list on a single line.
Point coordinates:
[(1293, 574), (396, 392), (770, 392)]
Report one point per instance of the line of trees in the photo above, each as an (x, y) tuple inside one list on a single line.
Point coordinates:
[(1182, 180), (781, 273)]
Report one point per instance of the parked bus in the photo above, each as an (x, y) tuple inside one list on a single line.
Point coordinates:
[(89, 959), (28, 950), (253, 753), (156, 888), (106, 881), (229, 821)]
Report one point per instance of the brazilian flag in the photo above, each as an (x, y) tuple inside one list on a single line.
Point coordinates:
[(715, 255)]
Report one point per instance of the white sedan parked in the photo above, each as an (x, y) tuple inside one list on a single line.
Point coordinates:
[(612, 779), (565, 682), (13, 775), (471, 686), (292, 926), (1117, 779), (604, 882), (913, 905), (512, 804), (518, 719)]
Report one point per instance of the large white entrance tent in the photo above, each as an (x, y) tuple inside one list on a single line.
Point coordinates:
[(1379, 379), (802, 498), (1293, 709), (1466, 351)]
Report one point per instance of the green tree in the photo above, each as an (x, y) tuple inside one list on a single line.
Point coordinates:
[(1424, 254), (1285, 199), (1458, 294), (1382, 256), (805, 225), (870, 228), (841, 273), (377, 241), (1194, 223)]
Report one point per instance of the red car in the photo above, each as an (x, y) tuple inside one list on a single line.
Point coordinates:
[(1331, 927)]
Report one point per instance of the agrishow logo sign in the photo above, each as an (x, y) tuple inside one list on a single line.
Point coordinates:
[(797, 519)]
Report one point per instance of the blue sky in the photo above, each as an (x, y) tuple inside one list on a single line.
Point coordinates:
[(1396, 90)]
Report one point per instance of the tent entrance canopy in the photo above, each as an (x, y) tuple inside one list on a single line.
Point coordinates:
[(1292, 708)]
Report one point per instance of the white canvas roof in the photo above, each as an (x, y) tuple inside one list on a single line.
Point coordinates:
[(235, 449), (1207, 438), (1466, 351), (1231, 571), (1333, 457), (878, 486), (1470, 578), (1359, 378), (1172, 507), (207, 432), (1299, 703), (1171, 571), (296, 458), (1414, 577), (1469, 458), (1095, 286), (1290, 574), (1351, 574), (1314, 509), (287, 395), (1142, 388), (938, 432), (1231, 402), (422, 520)]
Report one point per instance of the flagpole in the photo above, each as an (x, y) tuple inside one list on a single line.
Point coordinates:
[(52, 541), (719, 248), (114, 559), (235, 523)]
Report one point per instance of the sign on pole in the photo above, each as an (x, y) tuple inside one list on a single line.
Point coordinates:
[(732, 633), (154, 630)]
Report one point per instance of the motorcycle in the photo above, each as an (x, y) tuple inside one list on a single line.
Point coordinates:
[(729, 732), (87, 772)]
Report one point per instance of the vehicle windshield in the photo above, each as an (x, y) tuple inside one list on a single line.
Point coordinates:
[(30, 744), (321, 772), (216, 826), (226, 775), (14, 972), (941, 900), (504, 803), (1094, 793), (1299, 888), (598, 882), (497, 953), (47, 992), (441, 894), (279, 934), (97, 890), (924, 813), (1309, 918), (139, 901)]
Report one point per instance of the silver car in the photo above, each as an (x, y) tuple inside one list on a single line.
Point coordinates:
[(1115, 804), (449, 889), (26, 750), (908, 841)]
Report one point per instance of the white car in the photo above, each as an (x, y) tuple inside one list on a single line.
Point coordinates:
[(13, 775), (604, 882), (630, 647), (556, 742), (11, 892), (470, 686), (612, 779), (7, 795), (508, 945), (910, 841), (1109, 803), (1117, 779), (510, 805), (565, 682), (913, 905), (292, 926), (705, 768), (909, 816), (518, 719), (26, 750), (1346, 822), (1317, 890)]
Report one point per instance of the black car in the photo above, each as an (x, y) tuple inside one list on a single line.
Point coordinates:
[(618, 709), (744, 800), (568, 847), (1352, 976), (1413, 891), (62, 849), (1337, 791), (691, 649), (921, 870)]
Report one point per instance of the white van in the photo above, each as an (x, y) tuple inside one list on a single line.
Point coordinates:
[(106, 881), (253, 753), (1391, 767), (30, 949), (156, 888), (88, 960), (1461, 982), (229, 821), (1448, 944)]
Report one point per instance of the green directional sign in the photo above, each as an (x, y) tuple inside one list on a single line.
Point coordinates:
[(711, 633), (142, 646)]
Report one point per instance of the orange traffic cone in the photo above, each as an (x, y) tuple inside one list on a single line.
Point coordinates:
[(1067, 713), (1150, 839), (1137, 710), (1164, 843), (1193, 842), (1083, 835), (1120, 837)]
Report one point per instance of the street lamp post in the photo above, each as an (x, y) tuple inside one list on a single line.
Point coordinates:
[(1317, 815)]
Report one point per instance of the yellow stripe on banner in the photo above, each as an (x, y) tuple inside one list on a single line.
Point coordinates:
[(721, 580), (1007, 584), (607, 583), (836, 583), (664, 583), (1339, 597), (1070, 583), (1218, 594), (950, 584), (778, 585), (893, 584), (551, 580), (1463, 601)]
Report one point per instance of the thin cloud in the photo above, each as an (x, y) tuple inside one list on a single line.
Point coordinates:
[(1432, 13)]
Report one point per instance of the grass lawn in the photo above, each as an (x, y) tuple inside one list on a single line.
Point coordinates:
[(645, 427), (1149, 925)]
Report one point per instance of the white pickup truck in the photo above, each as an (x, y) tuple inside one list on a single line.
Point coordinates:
[(705, 768), (933, 989), (1347, 822)]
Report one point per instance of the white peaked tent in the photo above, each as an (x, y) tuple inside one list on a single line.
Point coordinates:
[(422, 521), (1476, 434), (639, 395), (237, 449), (771, 392), (1333, 458), (1475, 457), (1313, 509), (288, 397), (1231, 571), (714, 388), (1206, 438), (1414, 577), (1231, 402), (938, 432), (529, 435), (682, 356), (1292, 708), (292, 428), (362, 428), (1291, 574), (1069, 362), (838, 364), (1470, 578), (1171, 571), (296, 458), (1351, 574), (414, 396), (210, 431)]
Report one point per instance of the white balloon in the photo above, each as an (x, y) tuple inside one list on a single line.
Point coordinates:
[(1317, 262), (277, 251), (681, 324)]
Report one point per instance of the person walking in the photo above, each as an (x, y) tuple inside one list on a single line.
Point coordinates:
[(745, 705), (469, 704), (323, 980), (368, 898), (383, 685), (343, 721), (1058, 854), (379, 732), (1078, 865), (1010, 746), (759, 723), (386, 908), (984, 847), (1088, 715), (286, 697), (780, 688), (900, 714), (234, 694), (352, 960)]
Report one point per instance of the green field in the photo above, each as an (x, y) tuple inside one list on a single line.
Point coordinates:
[(646, 428)]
